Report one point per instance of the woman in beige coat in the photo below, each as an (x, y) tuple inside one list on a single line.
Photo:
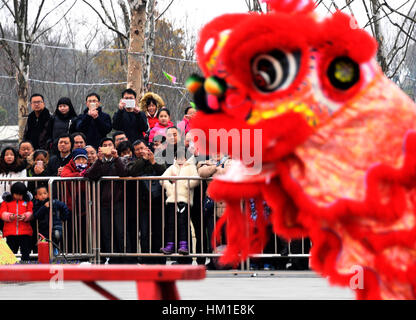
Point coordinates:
[(182, 193)]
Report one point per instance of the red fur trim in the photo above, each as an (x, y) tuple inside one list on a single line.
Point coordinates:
[(338, 39), (324, 252), (371, 288), (291, 6), (258, 228), (284, 212), (222, 190), (408, 172), (236, 232), (336, 36)]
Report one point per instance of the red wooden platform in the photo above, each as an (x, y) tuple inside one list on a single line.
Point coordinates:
[(154, 282)]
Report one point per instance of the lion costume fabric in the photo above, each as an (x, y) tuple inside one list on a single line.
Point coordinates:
[(338, 149)]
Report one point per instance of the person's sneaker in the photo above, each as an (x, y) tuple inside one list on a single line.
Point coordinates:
[(183, 248), (168, 249), (268, 267)]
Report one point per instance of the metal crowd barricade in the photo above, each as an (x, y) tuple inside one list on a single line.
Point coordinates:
[(78, 233), (82, 234), (191, 236)]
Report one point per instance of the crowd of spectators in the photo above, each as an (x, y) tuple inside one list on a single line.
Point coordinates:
[(144, 142)]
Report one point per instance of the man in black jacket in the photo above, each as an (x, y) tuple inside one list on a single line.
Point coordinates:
[(57, 162), (93, 122), (131, 121), (37, 122), (111, 199)]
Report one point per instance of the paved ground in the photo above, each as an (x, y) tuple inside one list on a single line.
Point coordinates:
[(219, 285)]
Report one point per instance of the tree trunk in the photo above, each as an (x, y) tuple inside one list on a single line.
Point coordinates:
[(22, 73), (381, 57), (22, 100), (149, 42), (136, 44)]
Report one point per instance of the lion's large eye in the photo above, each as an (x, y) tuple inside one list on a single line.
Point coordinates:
[(275, 70), (343, 73)]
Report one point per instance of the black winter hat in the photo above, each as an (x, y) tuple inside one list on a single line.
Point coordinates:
[(79, 152)]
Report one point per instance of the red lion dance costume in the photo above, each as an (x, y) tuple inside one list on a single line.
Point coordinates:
[(338, 150)]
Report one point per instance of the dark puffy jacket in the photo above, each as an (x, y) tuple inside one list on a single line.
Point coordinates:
[(36, 129), (58, 125), (134, 125), (141, 167), (108, 168), (94, 129), (60, 212)]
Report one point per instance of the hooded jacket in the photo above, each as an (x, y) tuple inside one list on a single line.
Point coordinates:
[(188, 169), (94, 129), (35, 130), (24, 208), (152, 120)]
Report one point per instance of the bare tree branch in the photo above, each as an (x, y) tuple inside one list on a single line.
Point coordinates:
[(113, 22), (126, 17), (47, 29), (35, 24), (163, 12), (10, 10), (373, 32), (372, 20), (47, 14), (7, 48), (395, 50), (398, 12), (104, 22), (404, 55)]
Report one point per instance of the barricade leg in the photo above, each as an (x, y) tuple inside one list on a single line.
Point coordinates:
[(93, 285), (157, 290)]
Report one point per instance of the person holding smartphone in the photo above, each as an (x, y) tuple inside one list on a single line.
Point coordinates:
[(129, 118), (93, 122)]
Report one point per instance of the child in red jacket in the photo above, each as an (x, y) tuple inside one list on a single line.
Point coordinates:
[(16, 212)]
